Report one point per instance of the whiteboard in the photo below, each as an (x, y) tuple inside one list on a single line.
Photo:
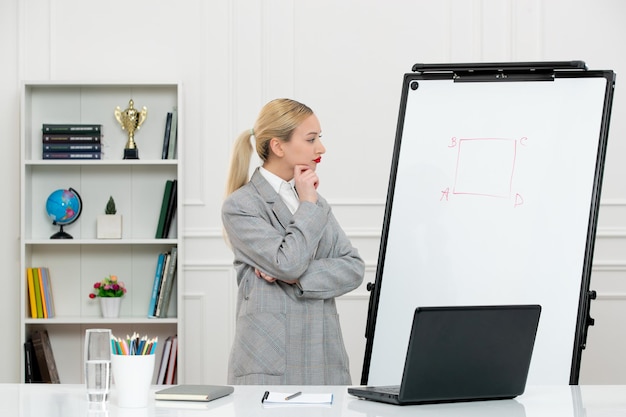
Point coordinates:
[(491, 201)]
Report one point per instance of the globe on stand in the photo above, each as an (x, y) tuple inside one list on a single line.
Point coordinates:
[(63, 208)]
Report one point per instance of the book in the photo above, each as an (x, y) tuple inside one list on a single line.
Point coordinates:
[(37, 293), (45, 357), (172, 362), (158, 273), (180, 406), (31, 293), (166, 135), (69, 138), (169, 276), (163, 211), (73, 128), (42, 293), (31, 369), (171, 210), (164, 359), (166, 264), (193, 392), (72, 155), (28, 364), (171, 152), (72, 147), (44, 273)]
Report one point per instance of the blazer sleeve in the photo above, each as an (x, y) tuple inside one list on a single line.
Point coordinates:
[(334, 273), (311, 247)]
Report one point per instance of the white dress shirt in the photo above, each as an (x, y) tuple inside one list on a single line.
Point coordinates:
[(285, 189)]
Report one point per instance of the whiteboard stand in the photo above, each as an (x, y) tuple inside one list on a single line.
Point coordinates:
[(493, 198)]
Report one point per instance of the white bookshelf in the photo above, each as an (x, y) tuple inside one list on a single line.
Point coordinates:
[(137, 187)]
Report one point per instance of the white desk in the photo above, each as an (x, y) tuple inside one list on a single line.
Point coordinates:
[(49, 400)]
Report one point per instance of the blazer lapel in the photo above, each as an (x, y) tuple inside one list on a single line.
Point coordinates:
[(271, 197)]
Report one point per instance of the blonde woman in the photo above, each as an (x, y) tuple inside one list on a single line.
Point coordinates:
[(291, 256)]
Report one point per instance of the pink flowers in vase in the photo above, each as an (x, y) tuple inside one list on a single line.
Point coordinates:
[(108, 287)]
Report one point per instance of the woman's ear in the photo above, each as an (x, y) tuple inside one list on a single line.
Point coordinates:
[(276, 146)]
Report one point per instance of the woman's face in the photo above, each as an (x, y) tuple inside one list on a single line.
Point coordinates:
[(305, 146)]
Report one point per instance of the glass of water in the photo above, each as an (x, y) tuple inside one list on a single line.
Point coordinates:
[(98, 364)]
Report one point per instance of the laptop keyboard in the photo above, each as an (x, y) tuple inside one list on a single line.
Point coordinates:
[(391, 389)]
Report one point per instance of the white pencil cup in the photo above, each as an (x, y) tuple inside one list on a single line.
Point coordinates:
[(132, 377)]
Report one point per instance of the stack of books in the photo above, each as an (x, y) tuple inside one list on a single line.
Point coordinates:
[(168, 209), (40, 293), (163, 284), (171, 135), (169, 361), (40, 365), (72, 141)]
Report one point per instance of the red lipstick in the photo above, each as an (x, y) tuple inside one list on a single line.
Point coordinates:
[(318, 160)]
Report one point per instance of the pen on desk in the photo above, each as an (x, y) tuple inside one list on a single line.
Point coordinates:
[(292, 396), (267, 393)]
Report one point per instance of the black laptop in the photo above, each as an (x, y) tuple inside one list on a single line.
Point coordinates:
[(463, 353)]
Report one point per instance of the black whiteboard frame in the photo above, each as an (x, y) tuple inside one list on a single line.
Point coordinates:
[(502, 72)]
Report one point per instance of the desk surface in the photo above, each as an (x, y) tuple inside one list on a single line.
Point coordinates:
[(54, 400)]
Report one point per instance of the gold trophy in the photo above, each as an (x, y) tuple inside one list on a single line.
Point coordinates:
[(131, 119)]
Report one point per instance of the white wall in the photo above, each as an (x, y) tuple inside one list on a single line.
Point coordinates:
[(343, 58)]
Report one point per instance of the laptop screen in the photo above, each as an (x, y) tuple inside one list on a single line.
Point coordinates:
[(469, 352)]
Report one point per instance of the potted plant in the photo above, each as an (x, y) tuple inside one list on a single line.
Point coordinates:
[(109, 224), (110, 291)]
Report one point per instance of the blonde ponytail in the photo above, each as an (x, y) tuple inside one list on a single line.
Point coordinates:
[(239, 163)]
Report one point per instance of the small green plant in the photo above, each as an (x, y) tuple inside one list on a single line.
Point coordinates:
[(110, 208)]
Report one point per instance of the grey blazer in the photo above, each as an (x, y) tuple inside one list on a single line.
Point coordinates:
[(288, 334)]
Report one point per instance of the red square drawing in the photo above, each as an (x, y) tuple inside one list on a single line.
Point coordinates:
[(485, 167)]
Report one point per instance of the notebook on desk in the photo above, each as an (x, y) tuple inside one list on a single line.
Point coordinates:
[(463, 353), (193, 392)]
